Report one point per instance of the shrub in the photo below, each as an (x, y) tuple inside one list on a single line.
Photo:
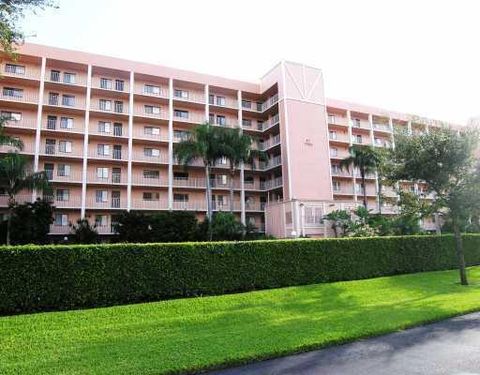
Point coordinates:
[(55, 277), (84, 233)]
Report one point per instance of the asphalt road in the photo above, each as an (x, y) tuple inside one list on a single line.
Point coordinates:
[(449, 347)]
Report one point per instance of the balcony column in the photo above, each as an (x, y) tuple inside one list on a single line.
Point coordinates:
[(85, 142), (370, 122), (350, 138), (170, 144), (243, 217), (39, 114), (130, 140), (207, 103)]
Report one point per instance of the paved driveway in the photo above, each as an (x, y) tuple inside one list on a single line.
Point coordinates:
[(448, 347)]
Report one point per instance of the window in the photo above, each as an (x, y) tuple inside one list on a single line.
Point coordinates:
[(151, 90), (53, 98), (333, 151), (66, 123), (15, 69), (333, 134), (246, 123), (50, 146), (102, 173), (117, 151), (65, 146), (116, 175), (104, 127), (61, 220), (336, 186), (153, 174), (181, 94), (211, 118), (152, 110), (331, 119), (62, 195), (221, 120), (103, 150), (117, 129), (48, 168), (222, 179), (357, 138), (180, 197), (151, 130), (221, 101), (359, 188), (119, 85), (101, 196), (69, 77), (180, 175), (151, 152), (11, 116), (106, 83), (222, 161), (101, 220), (118, 106), (357, 122), (55, 75), (246, 104), (63, 170), (68, 100), (105, 105), (149, 196), (335, 169), (248, 180), (180, 113), (13, 92)]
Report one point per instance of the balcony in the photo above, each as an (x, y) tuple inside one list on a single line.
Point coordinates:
[(140, 179), (76, 126), (381, 127), (225, 102), (191, 117), (24, 123), (28, 148), (152, 91), (151, 112), (141, 133), (188, 96), (189, 182), (343, 190), (271, 122), (338, 137), (337, 172), (272, 163), (111, 84), (117, 108), (67, 103), (71, 202), (154, 204), (110, 155), (360, 124), (19, 198), (111, 203), (52, 149), (270, 102), (337, 120), (75, 79), (200, 205), (21, 71), (56, 229), (19, 96), (112, 178), (161, 158), (271, 184), (269, 143), (74, 176)]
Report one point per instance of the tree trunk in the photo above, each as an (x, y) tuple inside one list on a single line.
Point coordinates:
[(459, 251), (209, 201), (364, 189), (335, 229), (232, 179)]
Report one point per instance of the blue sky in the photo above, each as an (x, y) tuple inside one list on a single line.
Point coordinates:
[(414, 56)]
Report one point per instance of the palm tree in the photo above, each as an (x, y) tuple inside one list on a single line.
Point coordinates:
[(7, 140), (16, 176), (204, 144), (366, 159), (237, 148)]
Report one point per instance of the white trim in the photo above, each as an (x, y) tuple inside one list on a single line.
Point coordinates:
[(287, 139), (170, 144), (130, 141), (85, 142), (207, 103)]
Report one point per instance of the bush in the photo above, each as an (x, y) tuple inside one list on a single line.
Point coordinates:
[(57, 277), (84, 233), (30, 223), (170, 226)]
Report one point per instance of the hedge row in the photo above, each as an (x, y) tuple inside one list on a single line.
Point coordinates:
[(41, 278)]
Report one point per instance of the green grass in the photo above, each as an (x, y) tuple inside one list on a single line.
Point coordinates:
[(189, 334)]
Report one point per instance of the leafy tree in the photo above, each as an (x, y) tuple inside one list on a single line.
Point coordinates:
[(205, 144), (83, 232), (226, 227), (30, 222), (16, 176), (366, 159), (341, 221), (133, 226), (237, 148), (11, 11), (444, 159), (8, 140)]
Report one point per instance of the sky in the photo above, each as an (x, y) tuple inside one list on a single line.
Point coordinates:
[(420, 57)]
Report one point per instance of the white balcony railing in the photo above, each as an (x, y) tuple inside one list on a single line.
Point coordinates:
[(23, 97)]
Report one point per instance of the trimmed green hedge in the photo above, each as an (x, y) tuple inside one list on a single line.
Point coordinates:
[(41, 278)]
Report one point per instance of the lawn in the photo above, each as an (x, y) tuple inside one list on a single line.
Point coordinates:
[(189, 334)]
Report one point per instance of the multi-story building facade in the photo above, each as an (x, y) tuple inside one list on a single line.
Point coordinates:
[(104, 130)]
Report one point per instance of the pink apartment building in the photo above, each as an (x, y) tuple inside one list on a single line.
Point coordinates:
[(104, 130)]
